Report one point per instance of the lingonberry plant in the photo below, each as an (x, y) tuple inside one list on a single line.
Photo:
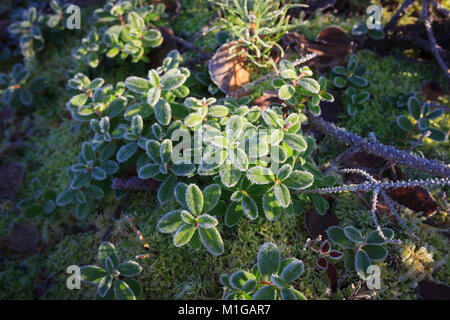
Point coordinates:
[(422, 115), (270, 279), (360, 251), (17, 90), (123, 29), (353, 81), (42, 203), (112, 277)]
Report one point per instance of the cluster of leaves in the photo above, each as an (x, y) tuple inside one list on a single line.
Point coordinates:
[(116, 116), (108, 275), (352, 79), (270, 279), (258, 159), (28, 27), (422, 115), (257, 26), (42, 203), (360, 29), (122, 29), (16, 89), (298, 89), (399, 100), (360, 251)]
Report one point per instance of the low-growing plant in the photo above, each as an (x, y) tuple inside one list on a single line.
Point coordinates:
[(298, 89), (42, 203), (123, 29), (112, 278), (259, 159), (270, 279), (352, 79), (399, 100), (360, 251), (257, 26), (422, 114), (323, 247), (17, 89)]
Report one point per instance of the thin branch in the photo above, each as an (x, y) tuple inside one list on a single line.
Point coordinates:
[(434, 46), (440, 8), (383, 185), (398, 15), (387, 152)]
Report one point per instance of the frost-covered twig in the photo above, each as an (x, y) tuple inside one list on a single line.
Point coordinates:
[(424, 135), (433, 45), (373, 210), (387, 152), (370, 186)]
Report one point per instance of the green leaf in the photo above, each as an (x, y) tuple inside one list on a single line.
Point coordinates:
[(94, 192), (271, 207), (282, 194), (260, 175), (362, 262), (299, 180), (358, 81), (211, 196), (166, 191), (339, 82), (310, 85), (340, 71), (129, 268), (153, 95), (183, 234), (193, 120), (149, 171), (287, 294), (104, 285), (81, 180), (233, 214), (249, 207), (270, 118), (239, 279), (107, 250), (414, 107), (26, 97), (268, 259), (437, 135), (234, 128), (98, 173), (65, 198), (320, 203), (295, 141), (353, 234), (404, 123), (265, 293), (212, 240), (286, 92), (170, 222), (170, 82), (337, 236), (163, 112), (126, 152), (194, 199), (375, 252), (207, 221), (122, 291), (293, 271), (375, 238), (92, 274), (137, 85), (229, 175), (34, 211)]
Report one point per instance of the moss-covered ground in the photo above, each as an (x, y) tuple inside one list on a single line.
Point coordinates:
[(175, 273)]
